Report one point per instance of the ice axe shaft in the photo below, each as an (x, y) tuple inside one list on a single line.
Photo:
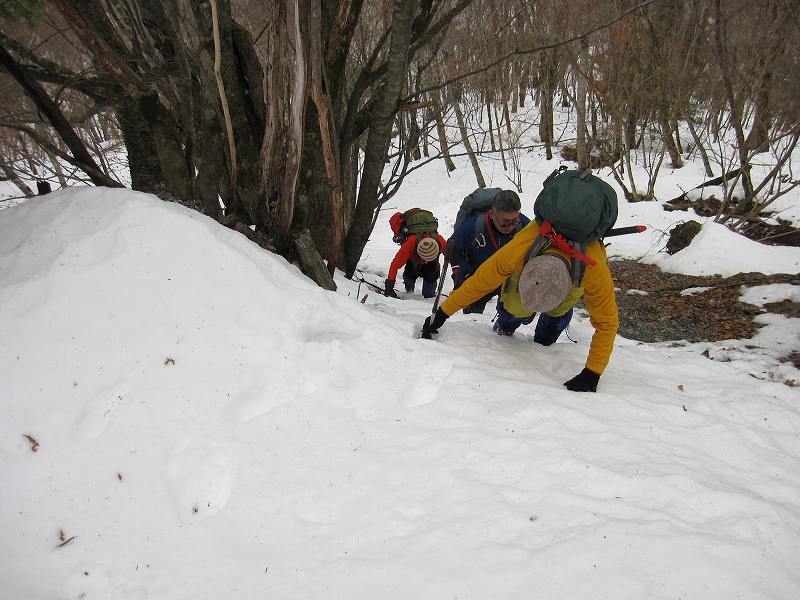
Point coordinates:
[(441, 284), (625, 230)]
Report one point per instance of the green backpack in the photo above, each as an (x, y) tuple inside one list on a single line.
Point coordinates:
[(418, 220), (414, 220), (578, 205)]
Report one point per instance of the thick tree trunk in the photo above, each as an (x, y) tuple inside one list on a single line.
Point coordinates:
[(286, 91), (311, 261), (331, 160), (380, 133), (146, 175)]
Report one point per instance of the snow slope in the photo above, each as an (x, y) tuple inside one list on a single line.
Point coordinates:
[(212, 425)]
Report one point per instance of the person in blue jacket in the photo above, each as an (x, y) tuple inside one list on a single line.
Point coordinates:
[(481, 235)]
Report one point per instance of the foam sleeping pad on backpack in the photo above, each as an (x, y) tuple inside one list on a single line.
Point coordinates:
[(544, 283), (428, 249)]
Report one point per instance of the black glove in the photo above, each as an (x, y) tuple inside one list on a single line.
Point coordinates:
[(389, 288), (585, 381), (432, 324)]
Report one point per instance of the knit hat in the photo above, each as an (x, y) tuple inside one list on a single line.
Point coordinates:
[(428, 249), (544, 283)]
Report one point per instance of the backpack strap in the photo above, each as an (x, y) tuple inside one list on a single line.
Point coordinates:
[(481, 226), (479, 240), (576, 252), (554, 174), (578, 266)]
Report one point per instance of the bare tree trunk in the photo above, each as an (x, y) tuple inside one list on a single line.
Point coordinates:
[(286, 93), (700, 148), (11, 175), (667, 140), (507, 116), (425, 131), (468, 146), (491, 126), (442, 133), (733, 104), (500, 139), (580, 107), (37, 93), (523, 83), (380, 133), (28, 155), (332, 170), (546, 94), (311, 261), (414, 133), (758, 138), (62, 180), (514, 87), (676, 130)]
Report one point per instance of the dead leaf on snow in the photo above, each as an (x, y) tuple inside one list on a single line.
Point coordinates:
[(34, 443), (169, 361)]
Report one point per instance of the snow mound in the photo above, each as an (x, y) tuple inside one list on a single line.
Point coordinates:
[(710, 254)]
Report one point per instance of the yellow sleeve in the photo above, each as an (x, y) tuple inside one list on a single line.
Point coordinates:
[(602, 306), (492, 273)]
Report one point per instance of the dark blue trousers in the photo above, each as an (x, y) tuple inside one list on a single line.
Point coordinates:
[(430, 277), (547, 328)]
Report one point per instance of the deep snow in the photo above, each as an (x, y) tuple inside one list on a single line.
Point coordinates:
[(212, 425)]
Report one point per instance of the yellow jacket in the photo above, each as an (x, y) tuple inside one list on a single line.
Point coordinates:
[(597, 283)]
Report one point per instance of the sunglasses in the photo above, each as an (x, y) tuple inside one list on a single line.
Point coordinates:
[(504, 224)]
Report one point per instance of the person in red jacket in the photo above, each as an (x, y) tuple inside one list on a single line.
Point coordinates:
[(420, 255)]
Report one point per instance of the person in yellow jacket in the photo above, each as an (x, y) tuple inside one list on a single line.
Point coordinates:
[(543, 284)]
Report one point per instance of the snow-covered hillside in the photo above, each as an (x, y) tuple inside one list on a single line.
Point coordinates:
[(209, 424)]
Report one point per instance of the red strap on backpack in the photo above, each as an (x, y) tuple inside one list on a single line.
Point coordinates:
[(488, 230), (560, 242)]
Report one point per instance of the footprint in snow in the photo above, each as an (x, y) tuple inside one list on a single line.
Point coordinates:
[(265, 394), (428, 384), (201, 480), (100, 411)]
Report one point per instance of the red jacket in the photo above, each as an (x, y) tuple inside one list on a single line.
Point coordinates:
[(408, 251)]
